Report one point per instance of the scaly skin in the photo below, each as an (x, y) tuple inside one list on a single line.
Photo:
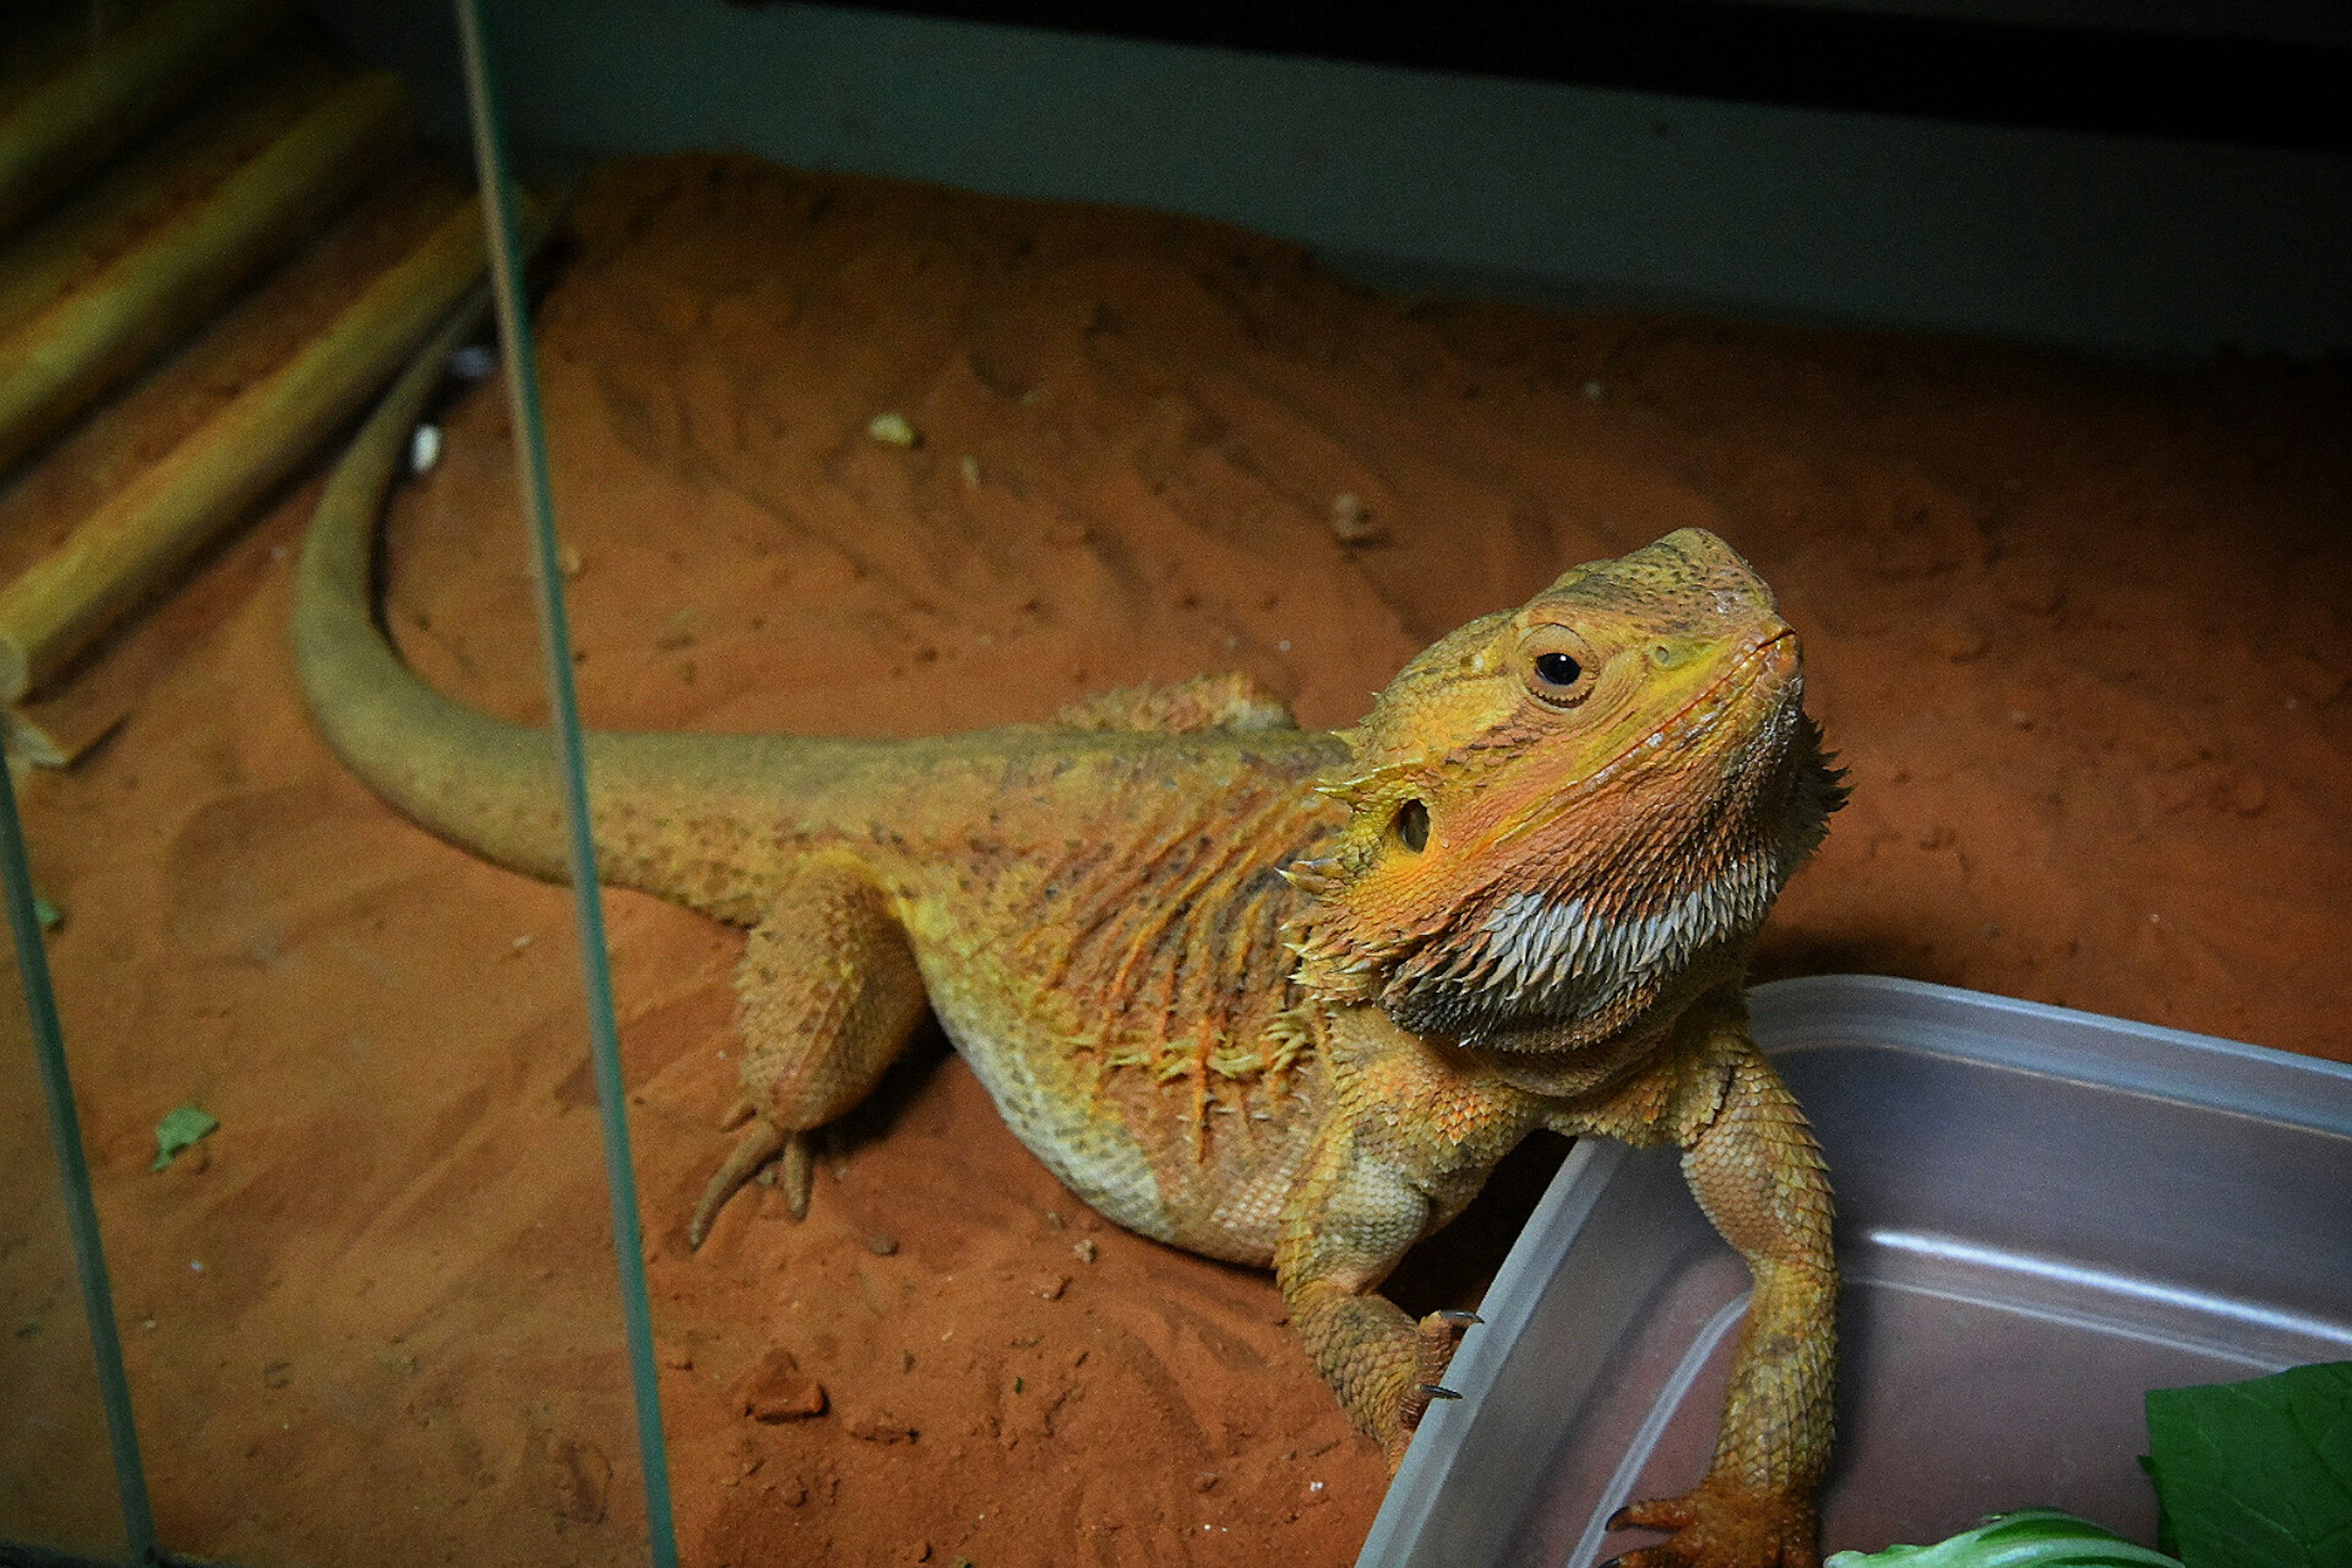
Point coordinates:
[(1277, 996)]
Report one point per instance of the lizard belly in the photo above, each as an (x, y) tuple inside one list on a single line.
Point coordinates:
[(1092, 1153), (1123, 1144)]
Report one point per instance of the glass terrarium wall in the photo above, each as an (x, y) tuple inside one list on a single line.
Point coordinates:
[(349, 1337), (834, 455), (2032, 172)]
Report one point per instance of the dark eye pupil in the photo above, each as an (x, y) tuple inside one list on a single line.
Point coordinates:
[(1413, 825), (1557, 668)]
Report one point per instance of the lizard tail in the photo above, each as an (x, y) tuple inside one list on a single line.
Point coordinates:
[(674, 816), (480, 783)]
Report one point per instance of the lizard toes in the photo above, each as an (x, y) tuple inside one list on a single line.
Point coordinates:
[(1435, 1337), (756, 1148), (1720, 1526), (1658, 1513)]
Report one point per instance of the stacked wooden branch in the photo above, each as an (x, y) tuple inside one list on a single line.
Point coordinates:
[(131, 219)]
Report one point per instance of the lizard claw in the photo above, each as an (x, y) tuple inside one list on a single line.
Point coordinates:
[(799, 1170), (1434, 1391), (1455, 1315)]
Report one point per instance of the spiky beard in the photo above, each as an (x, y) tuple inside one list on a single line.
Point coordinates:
[(1658, 881)]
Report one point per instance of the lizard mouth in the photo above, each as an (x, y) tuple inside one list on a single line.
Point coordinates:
[(1701, 712)]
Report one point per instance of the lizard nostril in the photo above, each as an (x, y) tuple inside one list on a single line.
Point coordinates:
[(1413, 825)]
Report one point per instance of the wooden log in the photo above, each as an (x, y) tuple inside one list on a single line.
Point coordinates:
[(54, 365), (140, 190), (124, 552), (67, 125)]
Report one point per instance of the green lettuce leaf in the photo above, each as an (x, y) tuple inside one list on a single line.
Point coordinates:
[(2029, 1538), (2257, 1474), (179, 1128)]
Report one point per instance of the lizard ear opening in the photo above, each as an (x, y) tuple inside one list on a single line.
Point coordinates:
[(1412, 826)]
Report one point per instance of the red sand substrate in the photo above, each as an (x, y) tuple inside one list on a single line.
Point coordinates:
[(2078, 629)]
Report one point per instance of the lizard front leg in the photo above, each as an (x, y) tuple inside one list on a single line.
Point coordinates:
[(1412, 1131), (1353, 1218), (828, 995), (1759, 1174)]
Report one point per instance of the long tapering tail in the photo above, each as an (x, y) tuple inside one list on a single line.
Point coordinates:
[(481, 783)]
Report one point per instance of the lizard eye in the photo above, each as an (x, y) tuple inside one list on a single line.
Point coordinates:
[(1413, 825), (1557, 666)]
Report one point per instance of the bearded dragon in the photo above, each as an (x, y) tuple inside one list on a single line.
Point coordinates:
[(1280, 996)]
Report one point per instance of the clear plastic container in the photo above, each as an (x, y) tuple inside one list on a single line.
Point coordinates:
[(2043, 1215)]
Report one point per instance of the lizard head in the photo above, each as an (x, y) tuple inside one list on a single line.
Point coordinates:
[(1563, 814)]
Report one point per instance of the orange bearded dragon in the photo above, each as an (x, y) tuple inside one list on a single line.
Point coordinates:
[(1280, 996)]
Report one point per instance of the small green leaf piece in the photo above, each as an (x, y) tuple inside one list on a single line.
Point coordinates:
[(2029, 1538), (180, 1129), (2257, 1474)]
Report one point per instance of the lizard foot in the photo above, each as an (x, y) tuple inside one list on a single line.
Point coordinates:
[(1435, 1337), (1720, 1527), (761, 1142)]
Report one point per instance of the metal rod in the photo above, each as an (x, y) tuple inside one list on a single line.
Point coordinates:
[(73, 1173), (604, 1037)]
